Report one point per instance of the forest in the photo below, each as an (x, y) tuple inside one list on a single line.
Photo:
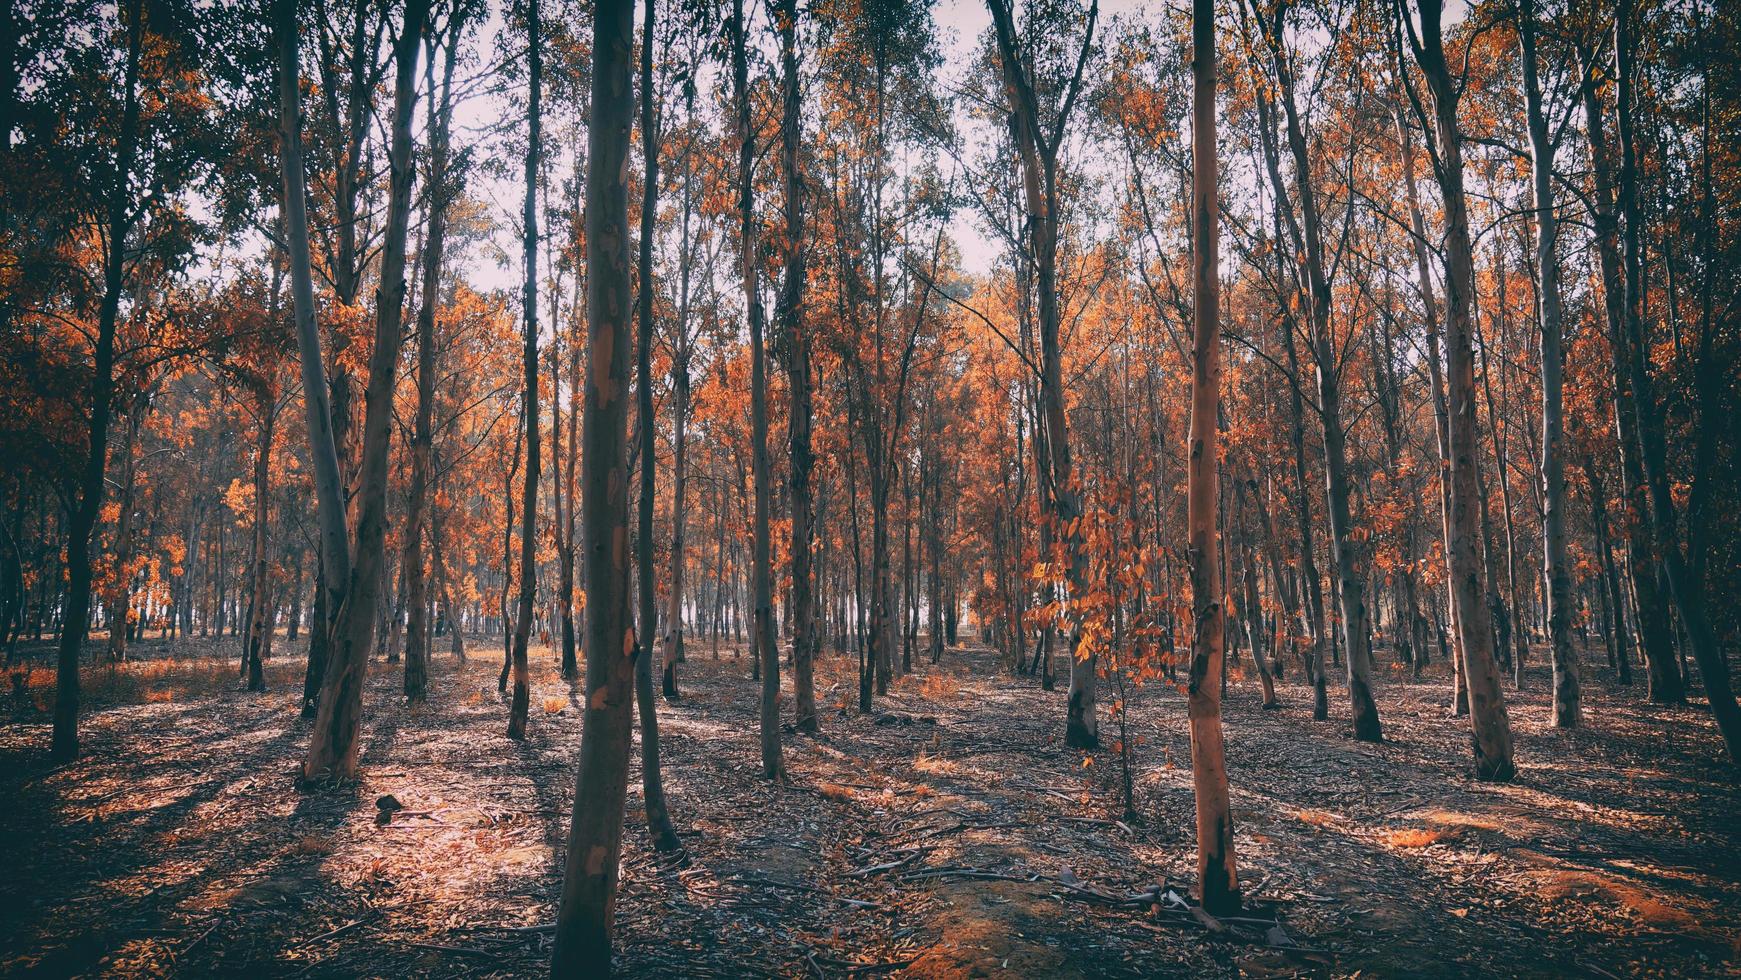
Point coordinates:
[(861, 488)]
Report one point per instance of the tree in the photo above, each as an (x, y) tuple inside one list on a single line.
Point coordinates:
[(442, 190), (1216, 872), (332, 745), (1037, 147), (335, 547), (1688, 601), (1567, 710), (652, 779), (761, 573), (83, 509), (595, 835), (1491, 724), (529, 313), (1307, 237), (806, 640)]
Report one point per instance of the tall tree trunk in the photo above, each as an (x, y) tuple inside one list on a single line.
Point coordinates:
[(118, 608), (595, 835), (1617, 629), (82, 513), (652, 779), (333, 743), (1441, 419), (1490, 723), (761, 585), (805, 638), (334, 546), (1314, 587), (1702, 638), (673, 652), (1038, 153), (1216, 871), (1308, 232), (418, 635), (1665, 682), (517, 707), (1567, 710)]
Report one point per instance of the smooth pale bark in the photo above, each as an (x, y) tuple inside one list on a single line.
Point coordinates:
[(652, 778), (518, 707), (1037, 151), (82, 514), (334, 548), (1491, 725), (805, 638), (595, 835), (1216, 871), (333, 743), (1567, 709), (417, 632), (766, 649), (1686, 592)]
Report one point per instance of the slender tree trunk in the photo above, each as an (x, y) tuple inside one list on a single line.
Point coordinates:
[(589, 883), (1567, 710), (1618, 632), (1701, 637), (1441, 419), (1665, 682), (334, 549), (418, 635), (260, 619), (805, 638), (82, 513), (1216, 870), (1038, 151), (529, 310), (652, 779), (1308, 231), (118, 608), (333, 744), (1490, 722)]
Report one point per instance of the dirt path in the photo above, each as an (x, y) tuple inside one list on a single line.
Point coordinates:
[(949, 835)]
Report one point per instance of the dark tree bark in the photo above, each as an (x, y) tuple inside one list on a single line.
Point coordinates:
[(518, 707), (418, 638), (1688, 600), (766, 648), (334, 548), (1038, 154), (805, 638), (1662, 673), (82, 512), (652, 779)]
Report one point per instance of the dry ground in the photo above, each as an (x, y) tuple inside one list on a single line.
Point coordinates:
[(966, 843)]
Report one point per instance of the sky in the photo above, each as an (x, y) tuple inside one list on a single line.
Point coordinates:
[(961, 23)]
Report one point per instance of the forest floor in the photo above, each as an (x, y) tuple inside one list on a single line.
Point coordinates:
[(948, 834)]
